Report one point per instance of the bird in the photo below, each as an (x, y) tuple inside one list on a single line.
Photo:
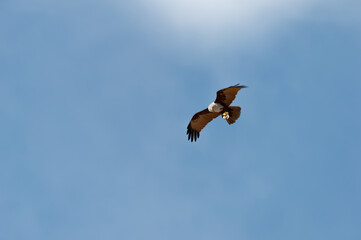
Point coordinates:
[(221, 106)]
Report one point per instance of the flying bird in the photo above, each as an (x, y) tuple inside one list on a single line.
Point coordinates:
[(221, 106)]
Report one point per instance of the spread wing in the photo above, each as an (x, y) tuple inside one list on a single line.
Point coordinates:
[(198, 122), (227, 95)]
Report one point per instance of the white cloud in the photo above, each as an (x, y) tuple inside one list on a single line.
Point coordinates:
[(211, 23)]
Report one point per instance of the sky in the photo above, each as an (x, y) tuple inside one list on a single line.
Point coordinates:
[(95, 97)]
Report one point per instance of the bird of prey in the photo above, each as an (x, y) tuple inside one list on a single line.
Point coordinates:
[(221, 106)]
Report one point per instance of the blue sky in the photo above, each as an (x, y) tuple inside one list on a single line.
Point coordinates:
[(95, 97)]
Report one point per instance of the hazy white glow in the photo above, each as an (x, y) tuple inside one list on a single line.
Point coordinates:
[(219, 20), (213, 14)]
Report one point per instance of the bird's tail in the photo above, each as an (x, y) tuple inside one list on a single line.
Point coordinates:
[(234, 115)]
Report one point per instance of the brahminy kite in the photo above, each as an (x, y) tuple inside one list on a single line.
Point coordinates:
[(219, 107)]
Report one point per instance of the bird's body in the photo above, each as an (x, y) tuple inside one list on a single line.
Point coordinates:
[(221, 106)]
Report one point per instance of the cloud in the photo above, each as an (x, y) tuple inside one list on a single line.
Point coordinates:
[(212, 23)]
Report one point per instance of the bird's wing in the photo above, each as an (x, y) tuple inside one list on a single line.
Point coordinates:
[(227, 95), (198, 122)]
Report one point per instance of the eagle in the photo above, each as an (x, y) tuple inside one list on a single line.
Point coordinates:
[(221, 106)]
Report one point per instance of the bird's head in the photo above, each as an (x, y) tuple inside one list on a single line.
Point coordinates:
[(211, 107)]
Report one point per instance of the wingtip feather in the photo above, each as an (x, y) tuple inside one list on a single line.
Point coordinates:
[(193, 135), (239, 85)]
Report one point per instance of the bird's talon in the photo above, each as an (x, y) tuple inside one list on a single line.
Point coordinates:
[(225, 115)]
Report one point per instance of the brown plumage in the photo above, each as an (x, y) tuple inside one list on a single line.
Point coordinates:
[(198, 122), (221, 106), (236, 113)]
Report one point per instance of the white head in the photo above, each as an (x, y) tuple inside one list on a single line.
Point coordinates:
[(215, 107)]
